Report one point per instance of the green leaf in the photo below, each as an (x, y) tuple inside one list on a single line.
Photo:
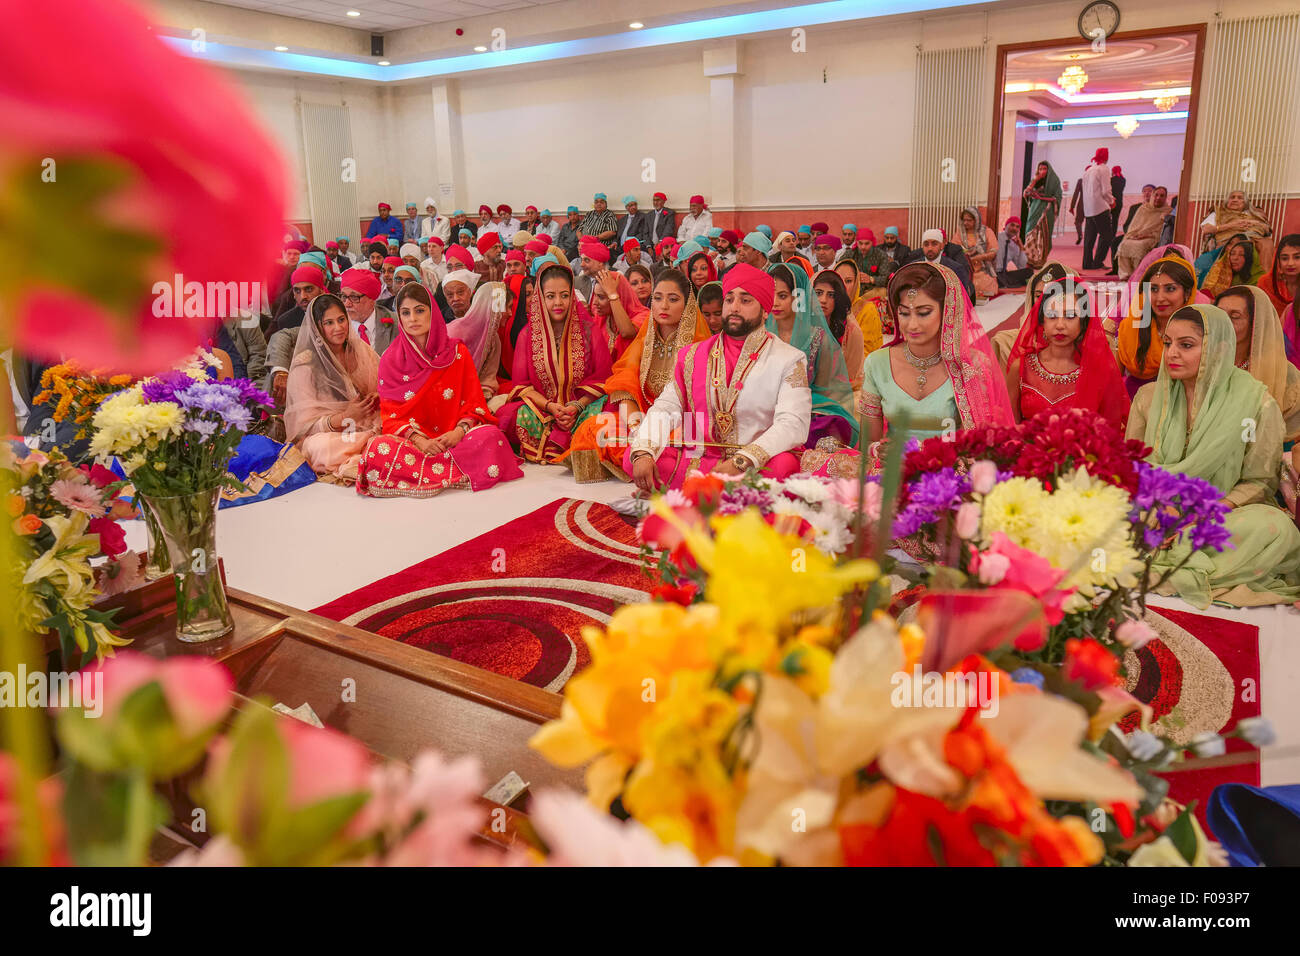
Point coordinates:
[(1183, 835), (96, 810)]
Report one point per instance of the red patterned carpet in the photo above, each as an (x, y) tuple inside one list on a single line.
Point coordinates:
[(513, 600)]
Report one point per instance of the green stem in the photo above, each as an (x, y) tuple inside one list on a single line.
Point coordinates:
[(139, 817)]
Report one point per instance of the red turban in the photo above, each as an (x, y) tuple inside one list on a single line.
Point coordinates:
[(384, 205), (631, 244), (538, 246), (298, 245), (829, 240), (754, 281), (530, 209), (485, 209), (393, 261), (461, 255), (504, 208), (594, 250), (820, 227), (731, 236), (668, 242), (487, 241), (1102, 155), (697, 201), (1116, 171), (515, 255), (438, 239), (665, 198), (868, 235), (331, 244), (362, 281), (308, 273)]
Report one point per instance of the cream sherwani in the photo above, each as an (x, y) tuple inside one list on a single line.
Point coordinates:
[(692, 226), (769, 415)]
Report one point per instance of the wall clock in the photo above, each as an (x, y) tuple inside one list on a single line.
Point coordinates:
[(1098, 19)]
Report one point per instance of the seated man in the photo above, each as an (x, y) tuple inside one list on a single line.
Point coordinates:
[(934, 250), (742, 394)]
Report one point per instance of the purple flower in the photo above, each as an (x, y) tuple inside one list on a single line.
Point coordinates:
[(1168, 504), (929, 497), (249, 393), (736, 497), (165, 387)]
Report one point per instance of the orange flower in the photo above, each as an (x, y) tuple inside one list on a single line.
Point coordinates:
[(27, 524), (15, 504)]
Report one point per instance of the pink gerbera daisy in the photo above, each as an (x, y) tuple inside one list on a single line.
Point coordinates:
[(79, 496)]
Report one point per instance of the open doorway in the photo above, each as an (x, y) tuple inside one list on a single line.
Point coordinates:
[(1060, 101)]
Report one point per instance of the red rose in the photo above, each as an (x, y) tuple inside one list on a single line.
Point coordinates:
[(112, 539), (1088, 663), (684, 595)]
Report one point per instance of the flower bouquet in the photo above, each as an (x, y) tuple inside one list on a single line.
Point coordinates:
[(76, 392), (175, 436), (62, 517)]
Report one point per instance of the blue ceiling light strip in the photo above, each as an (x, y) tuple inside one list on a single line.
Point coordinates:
[(835, 11)]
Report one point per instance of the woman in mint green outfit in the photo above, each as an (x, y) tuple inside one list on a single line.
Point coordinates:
[(1205, 417)]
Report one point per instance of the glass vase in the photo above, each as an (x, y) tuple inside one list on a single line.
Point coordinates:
[(189, 529), (157, 564)]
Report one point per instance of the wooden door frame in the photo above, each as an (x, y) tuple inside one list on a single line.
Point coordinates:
[(1183, 226)]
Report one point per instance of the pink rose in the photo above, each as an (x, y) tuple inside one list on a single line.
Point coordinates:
[(1134, 634), (198, 690), (968, 520), (983, 476), (991, 568), (1031, 573)]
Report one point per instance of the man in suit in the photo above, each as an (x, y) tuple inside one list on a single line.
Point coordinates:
[(375, 325), (635, 225), (306, 283), (932, 250), (568, 236), (895, 251), (663, 221)]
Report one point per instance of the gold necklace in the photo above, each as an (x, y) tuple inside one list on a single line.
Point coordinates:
[(922, 365)]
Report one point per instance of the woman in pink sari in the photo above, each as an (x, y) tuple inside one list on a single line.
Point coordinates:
[(437, 431), (616, 310), (561, 361), (331, 406)]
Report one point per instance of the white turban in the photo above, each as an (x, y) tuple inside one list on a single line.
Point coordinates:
[(935, 234), (462, 275), (409, 249), (428, 201)]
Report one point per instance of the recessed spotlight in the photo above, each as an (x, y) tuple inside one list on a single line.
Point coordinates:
[(282, 49), (480, 49), (383, 63), (354, 13), (636, 25)]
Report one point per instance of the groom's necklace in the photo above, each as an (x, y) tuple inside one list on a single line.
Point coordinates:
[(921, 364)]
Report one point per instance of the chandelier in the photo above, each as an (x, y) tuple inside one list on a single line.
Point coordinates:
[(1072, 80), (1165, 102), (1126, 125)]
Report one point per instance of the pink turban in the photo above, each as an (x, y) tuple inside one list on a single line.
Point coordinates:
[(487, 241), (361, 281), (461, 255), (594, 250), (754, 281), (308, 273)]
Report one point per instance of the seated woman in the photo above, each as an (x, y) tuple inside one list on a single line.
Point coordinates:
[(1239, 265), (1191, 416), (561, 361), (616, 310), (700, 270), (642, 281), (331, 406), (709, 301), (1282, 281), (437, 430), (1261, 351), (835, 305), (1166, 286), (939, 371), (1229, 220), (639, 375), (797, 320), (864, 307), (1061, 359), (981, 248)]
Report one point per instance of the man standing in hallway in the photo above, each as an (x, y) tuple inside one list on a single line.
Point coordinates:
[(1097, 203)]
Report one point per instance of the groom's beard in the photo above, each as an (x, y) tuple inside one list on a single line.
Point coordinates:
[(737, 326)]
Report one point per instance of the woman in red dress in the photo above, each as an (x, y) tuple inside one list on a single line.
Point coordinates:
[(437, 432), (1061, 358)]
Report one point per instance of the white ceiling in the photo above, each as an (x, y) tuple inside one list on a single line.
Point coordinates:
[(379, 16)]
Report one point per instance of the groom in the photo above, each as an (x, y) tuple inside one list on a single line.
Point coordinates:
[(742, 393)]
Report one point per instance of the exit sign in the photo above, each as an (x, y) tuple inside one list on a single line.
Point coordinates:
[(1055, 127)]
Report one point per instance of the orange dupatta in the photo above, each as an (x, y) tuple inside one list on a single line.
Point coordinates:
[(1130, 330)]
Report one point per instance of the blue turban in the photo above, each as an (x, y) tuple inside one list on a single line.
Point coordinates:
[(766, 230), (629, 198), (573, 209), (598, 196), (541, 261), (715, 232), (756, 240)]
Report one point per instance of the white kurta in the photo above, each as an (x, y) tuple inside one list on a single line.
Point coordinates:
[(439, 226), (773, 410), (692, 226)]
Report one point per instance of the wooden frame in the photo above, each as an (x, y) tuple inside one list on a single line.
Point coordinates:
[(1183, 227)]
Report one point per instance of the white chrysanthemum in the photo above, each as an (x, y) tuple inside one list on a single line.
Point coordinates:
[(809, 489), (1013, 507)]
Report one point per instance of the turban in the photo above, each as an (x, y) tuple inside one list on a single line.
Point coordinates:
[(393, 261), (465, 231), (715, 232), (538, 246), (436, 240), (697, 201), (428, 201), (487, 241), (514, 255), (765, 230), (411, 205), (730, 235), (598, 196), (754, 281), (760, 242), (341, 239), (530, 209), (383, 206), (1116, 171), (409, 249), (667, 242), (318, 258), (485, 209), (782, 237), (461, 255), (684, 253), (408, 270), (308, 274), (521, 238), (1010, 220), (1102, 155), (331, 244), (850, 227), (660, 196), (829, 240), (632, 244), (377, 244), (932, 234), (461, 275), (298, 245), (362, 281), (594, 250), (820, 227), (867, 234), (629, 199), (459, 212), (392, 243), (546, 212), (572, 209), (807, 229), (891, 231), (505, 209), (542, 261)]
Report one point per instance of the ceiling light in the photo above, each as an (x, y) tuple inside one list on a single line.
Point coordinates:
[(1072, 80), (480, 49), (636, 25), (1165, 102), (281, 49), (383, 63), (1126, 125), (354, 13)]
